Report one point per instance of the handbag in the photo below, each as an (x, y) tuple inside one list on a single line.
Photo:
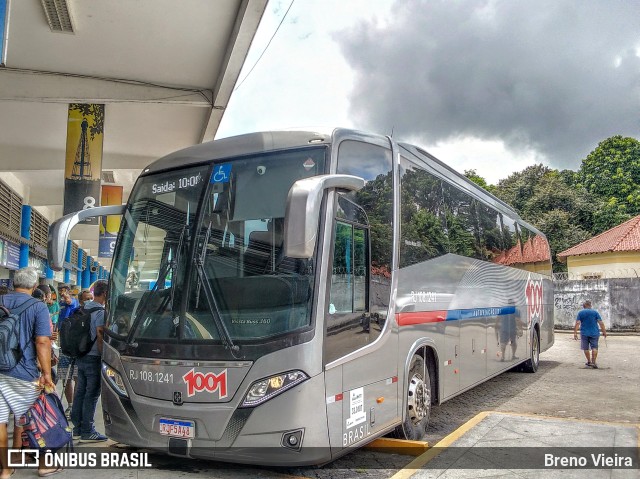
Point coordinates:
[(45, 425)]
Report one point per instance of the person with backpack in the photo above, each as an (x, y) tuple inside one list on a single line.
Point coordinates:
[(67, 306), (26, 333), (85, 296), (89, 370)]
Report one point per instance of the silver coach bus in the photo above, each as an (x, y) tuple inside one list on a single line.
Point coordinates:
[(284, 297)]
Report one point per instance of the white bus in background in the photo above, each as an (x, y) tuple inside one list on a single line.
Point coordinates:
[(284, 297)]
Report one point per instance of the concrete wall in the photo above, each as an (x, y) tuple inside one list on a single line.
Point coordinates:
[(617, 300)]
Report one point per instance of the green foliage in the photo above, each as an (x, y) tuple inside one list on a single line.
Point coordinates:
[(519, 187), (377, 200), (609, 214), (545, 198), (461, 240), (562, 232), (570, 177), (478, 180), (612, 172), (571, 207), (424, 237)]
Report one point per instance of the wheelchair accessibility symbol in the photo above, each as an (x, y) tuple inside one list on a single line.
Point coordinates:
[(221, 174)]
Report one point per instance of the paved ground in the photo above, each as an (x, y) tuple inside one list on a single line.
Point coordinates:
[(505, 446), (563, 387), (563, 394)]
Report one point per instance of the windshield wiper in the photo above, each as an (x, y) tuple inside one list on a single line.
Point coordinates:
[(214, 309), (167, 265)]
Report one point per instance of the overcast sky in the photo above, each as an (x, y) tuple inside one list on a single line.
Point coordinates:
[(490, 85)]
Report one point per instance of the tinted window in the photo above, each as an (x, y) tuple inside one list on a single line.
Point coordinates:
[(151, 260), (246, 281), (422, 215), (488, 231), (360, 284), (463, 230), (348, 279), (372, 163)]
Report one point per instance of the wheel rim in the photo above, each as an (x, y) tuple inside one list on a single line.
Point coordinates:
[(535, 350), (419, 400)]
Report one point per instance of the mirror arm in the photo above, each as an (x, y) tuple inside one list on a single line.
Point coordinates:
[(60, 229), (303, 210)]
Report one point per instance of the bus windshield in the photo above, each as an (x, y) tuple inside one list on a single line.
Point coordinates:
[(221, 278)]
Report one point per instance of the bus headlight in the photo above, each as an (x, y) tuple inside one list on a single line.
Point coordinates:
[(114, 379), (263, 390)]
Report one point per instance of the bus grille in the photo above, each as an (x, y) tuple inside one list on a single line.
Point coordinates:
[(235, 425)]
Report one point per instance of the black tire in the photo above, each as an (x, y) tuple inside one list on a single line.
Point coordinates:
[(418, 407), (531, 365)]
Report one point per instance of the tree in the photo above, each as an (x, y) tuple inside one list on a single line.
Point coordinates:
[(542, 197), (519, 187), (609, 214), (552, 193), (612, 172), (562, 232), (478, 180)]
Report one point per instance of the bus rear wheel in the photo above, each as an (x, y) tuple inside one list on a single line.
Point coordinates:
[(531, 365), (418, 408)]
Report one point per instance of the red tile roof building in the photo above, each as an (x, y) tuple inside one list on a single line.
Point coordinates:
[(621, 238), (535, 250)]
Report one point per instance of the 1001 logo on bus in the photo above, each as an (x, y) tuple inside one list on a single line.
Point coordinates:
[(534, 293), (197, 382)]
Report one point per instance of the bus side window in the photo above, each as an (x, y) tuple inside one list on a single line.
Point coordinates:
[(348, 279), (349, 324), (369, 212)]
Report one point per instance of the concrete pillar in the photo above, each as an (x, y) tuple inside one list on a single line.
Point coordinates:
[(25, 232), (94, 275), (81, 253), (48, 272), (86, 275)]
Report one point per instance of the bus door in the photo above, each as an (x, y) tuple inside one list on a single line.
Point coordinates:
[(362, 386)]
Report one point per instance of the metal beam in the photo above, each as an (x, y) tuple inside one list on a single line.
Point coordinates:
[(244, 29), (55, 87)]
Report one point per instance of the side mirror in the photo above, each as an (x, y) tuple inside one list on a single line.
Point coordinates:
[(303, 211), (60, 229)]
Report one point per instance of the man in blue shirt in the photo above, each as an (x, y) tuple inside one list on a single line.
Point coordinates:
[(588, 321), (89, 371), (20, 386)]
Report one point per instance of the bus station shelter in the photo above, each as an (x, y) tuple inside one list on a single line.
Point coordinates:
[(164, 71)]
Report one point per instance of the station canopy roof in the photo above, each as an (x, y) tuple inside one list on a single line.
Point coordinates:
[(164, 69)]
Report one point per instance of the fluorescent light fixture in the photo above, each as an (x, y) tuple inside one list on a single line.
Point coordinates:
[(58, 17)]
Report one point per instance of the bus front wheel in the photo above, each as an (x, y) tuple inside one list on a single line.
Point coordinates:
[(418, 407)]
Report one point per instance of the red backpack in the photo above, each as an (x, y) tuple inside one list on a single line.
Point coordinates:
[(45, 426)]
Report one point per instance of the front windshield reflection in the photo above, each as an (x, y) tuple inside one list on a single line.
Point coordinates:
[(151, 257), (246, 283), (222, 278)]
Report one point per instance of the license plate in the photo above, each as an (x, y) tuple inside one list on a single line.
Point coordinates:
[(177, 428)]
